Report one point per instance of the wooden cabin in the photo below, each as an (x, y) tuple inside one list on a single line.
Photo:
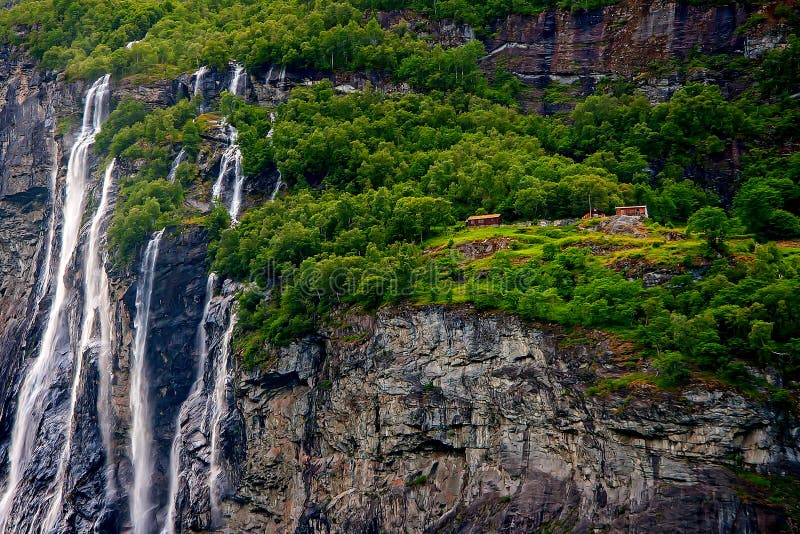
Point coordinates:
[(484, 220), (636, 211), (594, 214)]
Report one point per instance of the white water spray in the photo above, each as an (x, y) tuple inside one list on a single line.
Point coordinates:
[(199, 76), (236, 87), (216, 484), (175, 164), (279, 181), (282, 78), (231, 159), (197, 391), (141, 432), (238, 187), (44, 280), (278, 185), (96, 310), (31, 402)]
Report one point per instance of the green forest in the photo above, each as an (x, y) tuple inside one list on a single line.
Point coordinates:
[(379, 184)]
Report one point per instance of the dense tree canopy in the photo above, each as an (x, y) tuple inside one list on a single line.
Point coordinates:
[(376, 182)]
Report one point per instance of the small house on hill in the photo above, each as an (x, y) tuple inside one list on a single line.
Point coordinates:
[(593, 214), (636, 211), (484, 220)]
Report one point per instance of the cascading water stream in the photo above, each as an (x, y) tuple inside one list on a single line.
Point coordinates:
[(199, 76), (175, 164), (232, 157), (173, 475), (238, 186), (216, 484), (96, 312), (44, 280), (32, 397), (278, 185), (195, 393), (282, 78), (141, 431), (213, 411), (279, 181), (239, 76)]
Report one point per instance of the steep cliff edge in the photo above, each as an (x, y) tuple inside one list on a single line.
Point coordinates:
[(623, 38), (418, 419), (447, 420), (29, 159)]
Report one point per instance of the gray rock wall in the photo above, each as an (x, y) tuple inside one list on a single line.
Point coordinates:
[(449, 420), (434, 419), (27, 153)]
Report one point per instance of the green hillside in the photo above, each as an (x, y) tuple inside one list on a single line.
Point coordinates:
[(378, 183)]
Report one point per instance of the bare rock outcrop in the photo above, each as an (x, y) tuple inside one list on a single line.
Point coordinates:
[(622, 38), (448, 420), (628, 225)]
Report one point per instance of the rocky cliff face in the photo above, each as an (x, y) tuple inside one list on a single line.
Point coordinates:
[(432, 419), (627, 39), (620, 39), (450, 420), (28, 155), (177, 307)]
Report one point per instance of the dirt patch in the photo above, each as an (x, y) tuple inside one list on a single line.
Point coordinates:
[(433, 250)]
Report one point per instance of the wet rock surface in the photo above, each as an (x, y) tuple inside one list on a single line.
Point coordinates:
[(28, 151), (622, 38), (450, 420), (177, 306), (433, 419)]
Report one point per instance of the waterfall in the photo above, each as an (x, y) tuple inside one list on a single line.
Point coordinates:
[(43, 284), (231, 158), (469, 33), (272, 117), (282, 78), (239, 75), (141, 432), (279, 181), (269, 75), (96, 310), (199, 76), (129, 45), (238, 186), (195, 393), (33, 395), (213, 408), (175, 163), (278, 185), (216, 484)]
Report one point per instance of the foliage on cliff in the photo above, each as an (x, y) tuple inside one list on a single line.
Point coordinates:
[(374, 179), (125, 37), (147, 200), (385, 161)]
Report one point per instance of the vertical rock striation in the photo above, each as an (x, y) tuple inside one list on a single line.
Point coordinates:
[(450, 420)]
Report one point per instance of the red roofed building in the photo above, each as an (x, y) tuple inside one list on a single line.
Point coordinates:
[(484, 220), (636, 211)]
